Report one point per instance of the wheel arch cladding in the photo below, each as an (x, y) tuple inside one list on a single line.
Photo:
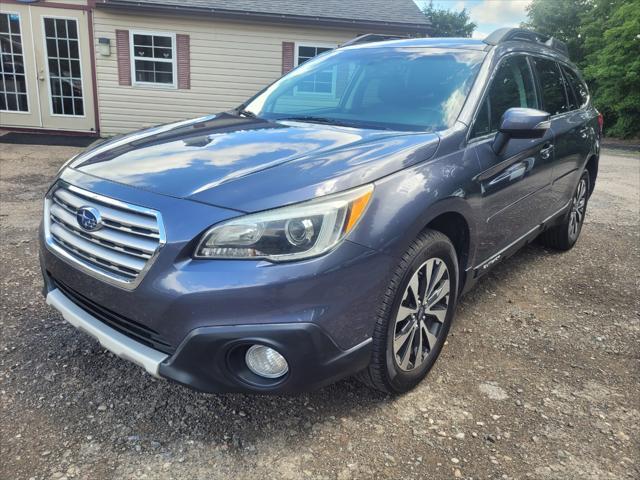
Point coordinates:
[(592, 168), (456, 228)]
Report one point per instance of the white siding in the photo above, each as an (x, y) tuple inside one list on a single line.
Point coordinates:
[(229, 63)]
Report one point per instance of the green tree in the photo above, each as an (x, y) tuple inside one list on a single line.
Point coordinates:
[(560, 19), (447, 23), (603, 37), (611, 34)]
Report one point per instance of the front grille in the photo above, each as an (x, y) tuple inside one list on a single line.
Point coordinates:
[(121, 250), (130, 328)]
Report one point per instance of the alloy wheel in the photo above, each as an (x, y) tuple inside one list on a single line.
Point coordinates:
[(421, 314), (576, 216)]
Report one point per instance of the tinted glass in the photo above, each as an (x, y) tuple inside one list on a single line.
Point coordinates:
[(511, 87), (571, 96), (398, 88), (552, 86), (578, 87)]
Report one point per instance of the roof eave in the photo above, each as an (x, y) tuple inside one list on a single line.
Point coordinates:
[(253, 17)]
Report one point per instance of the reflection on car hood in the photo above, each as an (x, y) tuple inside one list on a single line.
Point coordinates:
[(252, 164)]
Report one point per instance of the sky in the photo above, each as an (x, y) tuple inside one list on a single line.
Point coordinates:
[(489, 15)]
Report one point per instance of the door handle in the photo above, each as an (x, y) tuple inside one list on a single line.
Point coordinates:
[(546, 151), (584, 132)]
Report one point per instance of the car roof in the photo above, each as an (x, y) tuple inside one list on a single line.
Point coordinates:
[(503, 40), (465, 43)]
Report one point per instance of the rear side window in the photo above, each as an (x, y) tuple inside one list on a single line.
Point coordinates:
[(579, 88), (552, 86), (571, 96), (511, 87)]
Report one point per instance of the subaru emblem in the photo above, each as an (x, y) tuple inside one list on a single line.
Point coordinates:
[(89, 218)]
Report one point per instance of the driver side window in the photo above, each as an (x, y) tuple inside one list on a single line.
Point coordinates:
[(512, 86)]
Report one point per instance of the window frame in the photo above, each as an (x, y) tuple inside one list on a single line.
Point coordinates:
[(539, 86), (487, 87), (538, 90), (173, 60), (568, 84), (334, 73)]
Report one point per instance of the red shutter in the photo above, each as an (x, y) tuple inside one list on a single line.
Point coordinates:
[(184, 61), (287, 56), (124, 57)]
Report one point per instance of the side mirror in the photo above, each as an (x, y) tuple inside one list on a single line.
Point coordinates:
[(520, 123)]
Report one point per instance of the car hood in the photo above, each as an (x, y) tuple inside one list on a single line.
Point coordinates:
[(250, 164)]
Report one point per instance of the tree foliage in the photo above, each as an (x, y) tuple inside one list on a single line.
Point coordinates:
[(560, 19), (612, 63), (448, 23), (603, 37)]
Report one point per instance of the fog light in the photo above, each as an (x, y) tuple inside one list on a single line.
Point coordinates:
[(266, 362)]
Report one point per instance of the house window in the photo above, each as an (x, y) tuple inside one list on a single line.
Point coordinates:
[(323, 82), (153, 58)]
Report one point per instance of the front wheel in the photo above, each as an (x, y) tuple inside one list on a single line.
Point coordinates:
[(415, 315), (565, 235)]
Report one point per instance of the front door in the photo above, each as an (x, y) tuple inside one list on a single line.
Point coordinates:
[(515, 185), (46, 65)]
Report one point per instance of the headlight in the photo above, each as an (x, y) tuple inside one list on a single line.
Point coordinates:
[(289, 233)]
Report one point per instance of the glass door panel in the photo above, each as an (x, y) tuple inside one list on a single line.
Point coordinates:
[(63, 66), (13, 84), (18, 90)]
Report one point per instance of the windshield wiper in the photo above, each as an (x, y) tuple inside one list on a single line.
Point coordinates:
[(314, 119), (246, 113), (335, 121)]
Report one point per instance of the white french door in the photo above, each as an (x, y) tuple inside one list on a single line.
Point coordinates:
[(19, 103), (46, 81)]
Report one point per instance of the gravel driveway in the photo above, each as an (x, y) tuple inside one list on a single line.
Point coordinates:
[(539, 379)]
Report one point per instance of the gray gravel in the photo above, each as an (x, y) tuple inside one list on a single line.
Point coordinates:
[(539, 378)]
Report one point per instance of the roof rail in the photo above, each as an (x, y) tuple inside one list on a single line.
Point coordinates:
[(557, 45), (369, 38), (520, 34)]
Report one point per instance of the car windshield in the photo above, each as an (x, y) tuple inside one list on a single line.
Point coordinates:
[(400, 88)]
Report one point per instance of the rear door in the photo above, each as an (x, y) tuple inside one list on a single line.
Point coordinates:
[(567, 125), (581, 136), (514, 186)]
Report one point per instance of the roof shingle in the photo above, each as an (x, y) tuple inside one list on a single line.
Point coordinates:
[(383, 12)]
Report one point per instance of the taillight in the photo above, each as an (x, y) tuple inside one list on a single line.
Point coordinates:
[(600, 122)]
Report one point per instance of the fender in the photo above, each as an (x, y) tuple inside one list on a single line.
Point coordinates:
[(406, 202), (456, 205), (594, 154), (408, 219)]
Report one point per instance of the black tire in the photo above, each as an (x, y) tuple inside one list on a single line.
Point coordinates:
[(563, 236), (384, 372)]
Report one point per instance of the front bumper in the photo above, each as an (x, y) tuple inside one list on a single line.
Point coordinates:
[(319, 313), (114, 341), (210, 359)]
